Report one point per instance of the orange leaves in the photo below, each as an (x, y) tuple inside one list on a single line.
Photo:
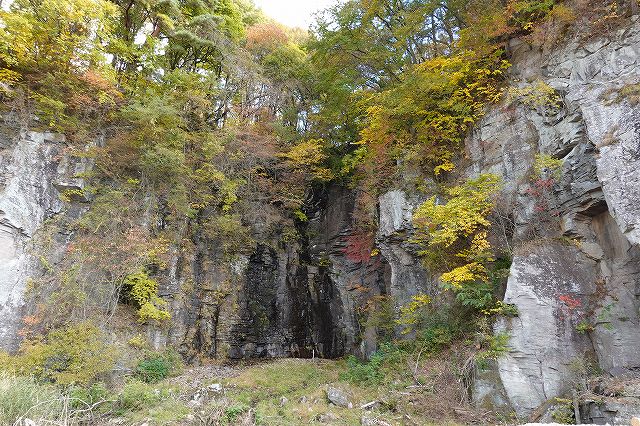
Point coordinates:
[(265, 37)]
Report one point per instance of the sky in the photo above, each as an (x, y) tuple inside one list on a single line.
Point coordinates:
[(293, 13)]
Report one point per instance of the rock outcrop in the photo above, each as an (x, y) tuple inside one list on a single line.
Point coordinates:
[(295, 298), (574, 277), (34, 174)]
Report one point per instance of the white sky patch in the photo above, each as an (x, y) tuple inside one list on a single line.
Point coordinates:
[(5, 4), (293, 13)]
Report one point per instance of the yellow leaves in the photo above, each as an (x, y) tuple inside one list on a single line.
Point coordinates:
[(308, 157), (59, 35), (306, 153), (158, 249), (440, 63), (480, 244), (425, 117), (547, 166), (76, 354), (144, 291), (155, 311), (377, 128), (16, 35), (228, 192), (48, 48), (410, 313), (446, 166), (465, 274), (536, 95), (457, 230), (166, 22), (8, 76), (208, 174), (463, 214)]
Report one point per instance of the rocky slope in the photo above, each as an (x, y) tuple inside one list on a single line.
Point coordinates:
[(575, 271)]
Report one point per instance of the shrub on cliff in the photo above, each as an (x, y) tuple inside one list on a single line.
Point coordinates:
[(143, 292), (454, 233)]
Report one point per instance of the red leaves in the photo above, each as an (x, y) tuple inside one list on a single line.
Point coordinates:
[(570, 302), (541, 190), (570, 308), (359, 247)]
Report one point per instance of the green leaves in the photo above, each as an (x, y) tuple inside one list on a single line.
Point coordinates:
[(55, 35)]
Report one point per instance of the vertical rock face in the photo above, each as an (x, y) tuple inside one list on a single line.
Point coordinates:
[(296, 298), (574, 279), (551, 285), (33, 172), (616, 319), (408, 277)]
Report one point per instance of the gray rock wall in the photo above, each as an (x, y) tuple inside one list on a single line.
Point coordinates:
[(550, 283), (33, 172), (576, 266), (301, 297), (408, 276)]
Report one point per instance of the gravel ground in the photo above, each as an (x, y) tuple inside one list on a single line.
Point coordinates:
[(193, 378)]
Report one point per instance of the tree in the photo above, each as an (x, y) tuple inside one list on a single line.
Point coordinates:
[(54, 36), (453, 234)]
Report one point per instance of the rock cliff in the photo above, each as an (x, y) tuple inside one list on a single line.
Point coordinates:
[(34, 172), (575, 287), (575, 276)]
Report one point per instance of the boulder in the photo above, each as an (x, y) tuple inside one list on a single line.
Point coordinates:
[(339, 397)]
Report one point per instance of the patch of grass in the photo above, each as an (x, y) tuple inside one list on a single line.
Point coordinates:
[(285, 377), (167, 412), (382, 364), (631, 93), (46, 403), (22, 397), (224, 411), (368, 373), (137, 395), (234, 411), (139, 400), (303, 385)]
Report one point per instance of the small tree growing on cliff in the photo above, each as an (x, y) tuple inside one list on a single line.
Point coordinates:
[(454, 234), (546, 173)]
